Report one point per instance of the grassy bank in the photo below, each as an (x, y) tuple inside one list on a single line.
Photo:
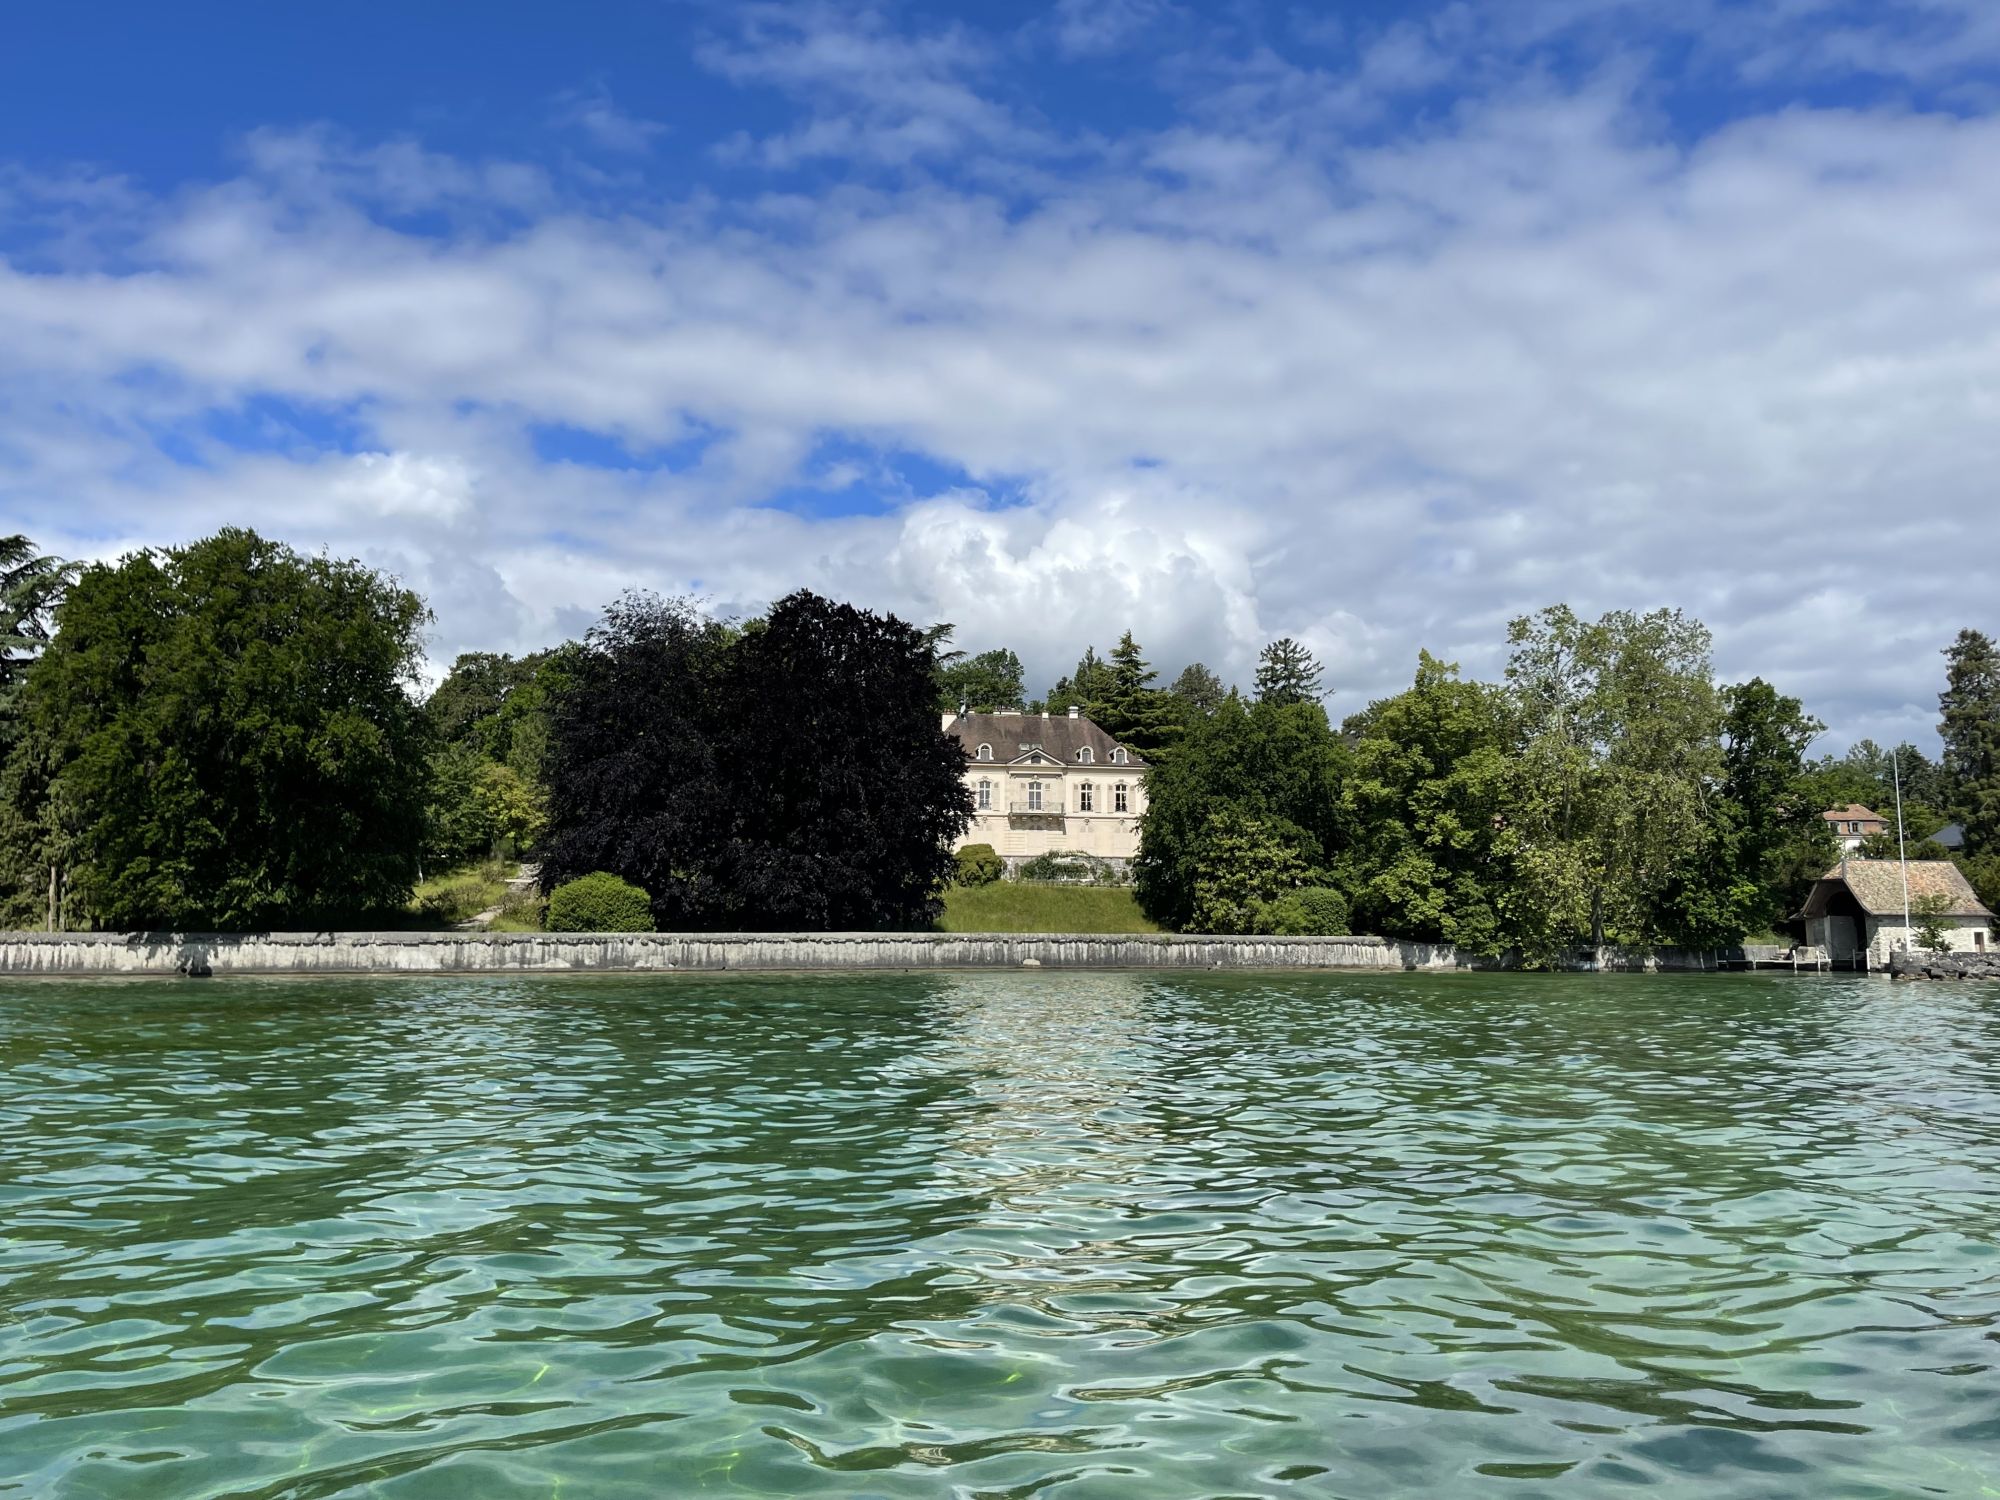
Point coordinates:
[(1006, 906), (456, 896)]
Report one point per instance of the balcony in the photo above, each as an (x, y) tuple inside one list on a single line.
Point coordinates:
[(1020, 807)]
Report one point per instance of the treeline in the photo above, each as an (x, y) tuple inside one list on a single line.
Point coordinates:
[(1607, 790), (230, 734)]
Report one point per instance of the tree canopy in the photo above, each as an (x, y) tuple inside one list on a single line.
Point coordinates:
[(1969, 725), (224, 735), (1288, 673), (790, 776)]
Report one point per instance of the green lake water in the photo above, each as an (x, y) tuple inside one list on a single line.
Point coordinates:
[(982, 1235)]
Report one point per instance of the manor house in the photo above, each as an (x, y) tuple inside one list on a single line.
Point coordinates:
[(1043, 782)]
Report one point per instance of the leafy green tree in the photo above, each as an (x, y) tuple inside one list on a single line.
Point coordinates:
[(223, 735), (984, 683), (1928, 913), (456, 827), (1970, 728), (1279, 765), (1288, 673), (1199, 690), (1240, 865), (1431, 858), (1619, 751)]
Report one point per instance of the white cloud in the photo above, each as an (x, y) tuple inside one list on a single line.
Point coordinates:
[(1247, 379)]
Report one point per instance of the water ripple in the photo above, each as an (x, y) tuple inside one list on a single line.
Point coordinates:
[(1060, 1235)]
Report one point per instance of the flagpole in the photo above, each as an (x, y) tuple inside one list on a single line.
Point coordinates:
[(1902, 854)]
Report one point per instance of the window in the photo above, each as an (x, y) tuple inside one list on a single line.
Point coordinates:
[(985, 752), (1085, 756), (1118, 756), (985, 793), (1979, 940), (1119, 801), (1854, 828), (1034, 796), (1086, 797)]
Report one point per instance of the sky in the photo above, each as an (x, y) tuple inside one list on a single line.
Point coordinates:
[(1375, 325)]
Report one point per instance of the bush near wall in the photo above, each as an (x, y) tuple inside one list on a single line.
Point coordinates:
[(599, 902), (1071, 867), (980, 864), (1311, 911)]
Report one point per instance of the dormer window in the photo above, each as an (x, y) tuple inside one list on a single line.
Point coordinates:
[(1118, 756), (985, 752), (1085, 756)]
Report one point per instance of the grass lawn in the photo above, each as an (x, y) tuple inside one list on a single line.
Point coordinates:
[(1006, 906), (445, 900)]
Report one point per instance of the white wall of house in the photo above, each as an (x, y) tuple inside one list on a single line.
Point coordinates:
[(1104, 828), (1887, 935)]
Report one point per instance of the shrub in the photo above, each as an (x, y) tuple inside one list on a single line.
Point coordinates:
[(599, 902), (979, 864), (455, 899), (1311, 911), (1070, 867)]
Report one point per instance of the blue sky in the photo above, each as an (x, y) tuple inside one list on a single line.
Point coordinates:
[(1373, 324)]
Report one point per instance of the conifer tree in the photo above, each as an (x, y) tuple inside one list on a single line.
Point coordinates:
[(1288, 673), (1970, 728)]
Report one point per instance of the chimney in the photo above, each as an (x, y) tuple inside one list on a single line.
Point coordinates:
[(1074, 711)]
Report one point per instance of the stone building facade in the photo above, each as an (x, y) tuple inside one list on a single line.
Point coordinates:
[(1047, 782), (1855, 911)]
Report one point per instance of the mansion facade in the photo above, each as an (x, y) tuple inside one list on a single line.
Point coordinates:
[(1047, 782)]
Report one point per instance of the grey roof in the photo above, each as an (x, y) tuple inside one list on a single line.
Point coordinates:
[(1877, 885), (1058, 736), (1951, 836)]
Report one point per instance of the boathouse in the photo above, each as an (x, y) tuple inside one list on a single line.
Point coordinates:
[(1855, 911)]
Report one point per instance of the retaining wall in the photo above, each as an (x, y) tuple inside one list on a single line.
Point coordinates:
[(200, 954)]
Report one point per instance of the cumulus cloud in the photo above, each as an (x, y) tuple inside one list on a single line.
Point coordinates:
[(1235, 376)]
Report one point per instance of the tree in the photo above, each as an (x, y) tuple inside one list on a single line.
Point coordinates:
[(1240, 866), (1133, 711), (1199, 690), (223, 735), (1430, 859), (984, 683), (1087, 690), (1277, 764), (1288, 673), (1619, 754), (1933, 934), (848, 794), (637, 783), (1969, 709), (31, 586), (1767, 817), (789, 775)]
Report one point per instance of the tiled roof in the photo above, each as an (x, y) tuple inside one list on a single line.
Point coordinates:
[(1877, 885), (1058, 735), (1849, 813)]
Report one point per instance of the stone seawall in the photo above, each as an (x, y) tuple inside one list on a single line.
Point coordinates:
[(201, 954), (1944, 966)]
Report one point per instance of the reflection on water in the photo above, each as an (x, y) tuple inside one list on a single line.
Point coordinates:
[(1000, 1235)]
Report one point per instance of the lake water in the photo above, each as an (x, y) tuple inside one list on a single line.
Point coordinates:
[(983, 1235)]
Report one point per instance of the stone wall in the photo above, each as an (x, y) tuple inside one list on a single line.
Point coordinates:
[(1945, 966), (200, 954)]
